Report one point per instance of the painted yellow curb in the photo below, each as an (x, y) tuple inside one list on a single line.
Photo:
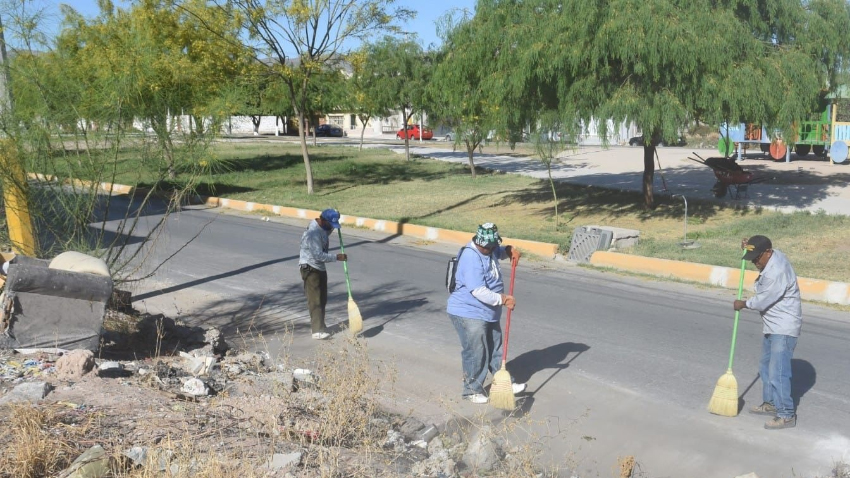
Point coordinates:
[(389, 227), (105, 187), (810, 289)]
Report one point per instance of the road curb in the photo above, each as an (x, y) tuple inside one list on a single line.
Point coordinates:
[(810, 289), (542, 249)]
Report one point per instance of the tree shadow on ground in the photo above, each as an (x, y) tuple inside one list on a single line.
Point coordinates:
[(619, 194)]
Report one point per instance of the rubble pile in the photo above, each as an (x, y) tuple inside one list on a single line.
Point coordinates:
[(205, 406)]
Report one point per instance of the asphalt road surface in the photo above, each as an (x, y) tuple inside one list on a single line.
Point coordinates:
[(615, 365)]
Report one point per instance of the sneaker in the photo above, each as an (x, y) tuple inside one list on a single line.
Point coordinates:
[(778, 423), (764, 409), (518, 387), (321, 335), (477, 398)]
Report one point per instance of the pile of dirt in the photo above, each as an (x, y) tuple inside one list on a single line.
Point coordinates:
[(209, 410)]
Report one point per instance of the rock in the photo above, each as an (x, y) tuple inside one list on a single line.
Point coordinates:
[(280, 461), (138, 455), (410, 427), (428, 433), (395, 440), (197, 365), (196, 387), (27, 392), (435, 446), (113, 370), (93, 463), (74, 364), (481, 453), (215, 339)]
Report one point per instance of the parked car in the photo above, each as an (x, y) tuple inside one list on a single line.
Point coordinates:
[(412, 131), (329, 130), (450, 136), (638, 141)]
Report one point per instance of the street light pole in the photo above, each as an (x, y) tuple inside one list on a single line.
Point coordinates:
[(15, 186)]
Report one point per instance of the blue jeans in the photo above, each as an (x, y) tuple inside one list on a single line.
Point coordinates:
[(775, 371), (481, 351)]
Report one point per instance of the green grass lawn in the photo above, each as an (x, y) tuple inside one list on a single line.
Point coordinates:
[(380, 184)]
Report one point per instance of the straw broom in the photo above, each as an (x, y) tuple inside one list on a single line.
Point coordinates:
[(724, 401), (502, 390), (355, 320)]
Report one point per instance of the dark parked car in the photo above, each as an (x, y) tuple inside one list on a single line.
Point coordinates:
[(638, 141), (329, 130)]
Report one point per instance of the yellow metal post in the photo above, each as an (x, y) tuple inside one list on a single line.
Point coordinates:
[(16, 199), (13, 174)]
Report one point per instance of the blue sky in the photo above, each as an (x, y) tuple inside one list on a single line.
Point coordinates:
[(423, 25)]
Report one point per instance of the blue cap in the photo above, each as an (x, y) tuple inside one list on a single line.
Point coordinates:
[(332, 216)]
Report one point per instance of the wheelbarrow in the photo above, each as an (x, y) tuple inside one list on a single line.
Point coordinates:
[(729, 176)]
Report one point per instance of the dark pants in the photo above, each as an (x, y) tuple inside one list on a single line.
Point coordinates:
[(316, 290)]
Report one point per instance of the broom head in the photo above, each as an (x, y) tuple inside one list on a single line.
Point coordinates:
[(502, 390), (724, 401), (355, 320)]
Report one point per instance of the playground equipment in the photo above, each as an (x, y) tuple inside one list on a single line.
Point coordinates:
[(827, 135)]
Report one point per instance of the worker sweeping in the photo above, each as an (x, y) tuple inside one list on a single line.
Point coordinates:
[(475, 309), (312, 258), (777, 299)]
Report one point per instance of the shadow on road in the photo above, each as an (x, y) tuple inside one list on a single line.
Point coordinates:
[(524, 366), (803, 378)]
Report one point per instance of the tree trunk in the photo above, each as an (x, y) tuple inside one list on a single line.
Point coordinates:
[(648, 174), (363, 130), (554, 194), (255, 121), (302, 133), (470, 150)]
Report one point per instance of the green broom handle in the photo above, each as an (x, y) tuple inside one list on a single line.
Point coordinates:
[(344, 263), (508, 319), (737, 312)]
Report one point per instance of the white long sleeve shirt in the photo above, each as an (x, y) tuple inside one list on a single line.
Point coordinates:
[(778, 297)]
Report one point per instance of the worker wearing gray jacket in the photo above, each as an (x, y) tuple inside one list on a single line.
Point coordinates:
[(777, 298)]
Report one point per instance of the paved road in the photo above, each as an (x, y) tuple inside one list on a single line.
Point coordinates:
[(616, 366)]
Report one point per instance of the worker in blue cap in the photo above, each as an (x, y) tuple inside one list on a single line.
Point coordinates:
[(314, 254)]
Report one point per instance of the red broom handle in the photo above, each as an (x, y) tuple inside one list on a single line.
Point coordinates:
[(508, 320)]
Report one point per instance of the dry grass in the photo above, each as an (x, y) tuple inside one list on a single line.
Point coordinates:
[(32, 447)]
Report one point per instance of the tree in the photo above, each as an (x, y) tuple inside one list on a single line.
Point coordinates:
[(363, 90), (404, 72), (459, 86), (662, 64), (302, 38)]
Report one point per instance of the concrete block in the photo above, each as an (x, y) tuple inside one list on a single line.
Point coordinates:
[(27, 392), (623, 238)]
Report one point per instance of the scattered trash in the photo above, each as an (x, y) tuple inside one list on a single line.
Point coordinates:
[(196, 387)]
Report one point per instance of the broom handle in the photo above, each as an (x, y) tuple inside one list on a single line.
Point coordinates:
[(508, 320), (737, 312), (344, 263)]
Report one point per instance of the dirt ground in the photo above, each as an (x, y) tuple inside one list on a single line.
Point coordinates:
[(254, 416)]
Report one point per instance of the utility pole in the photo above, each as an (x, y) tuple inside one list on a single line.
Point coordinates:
[(15, 186)]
